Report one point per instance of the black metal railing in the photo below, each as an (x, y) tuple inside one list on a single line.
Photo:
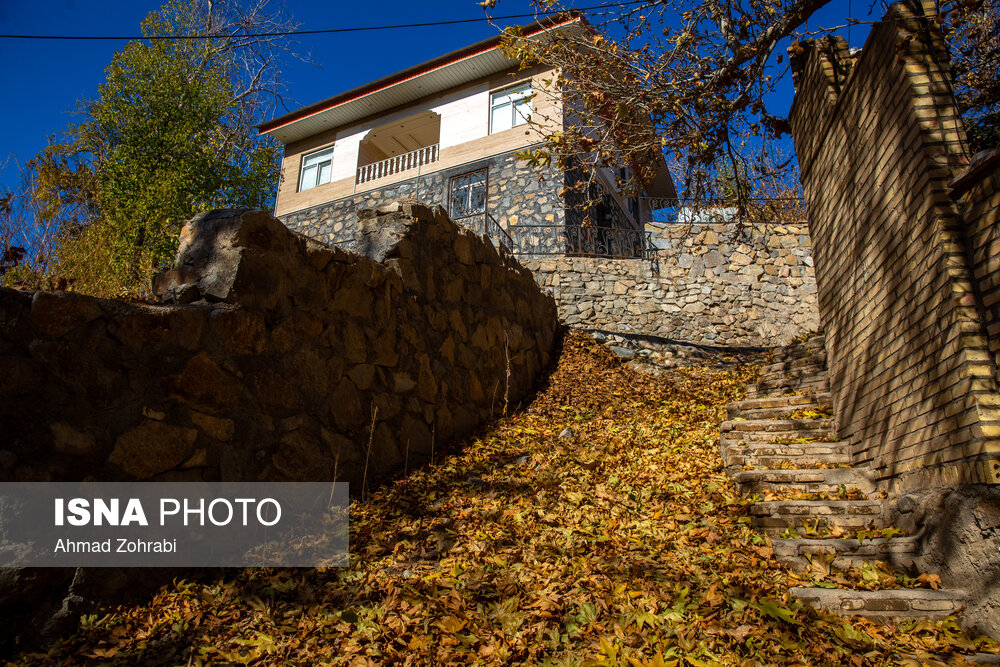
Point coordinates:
[(574, 240), (495, 231), (486, 225)]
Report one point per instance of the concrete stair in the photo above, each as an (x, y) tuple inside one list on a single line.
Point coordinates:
[(770, 453), (776, 456), (805, 554), (780, 407), (803, 480), (776, 516), (884, 605)]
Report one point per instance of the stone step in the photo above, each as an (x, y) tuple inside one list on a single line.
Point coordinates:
[(807, 427), (812, 346), (804, 480), (775, 407), (799, 386), (805, 455), (815, 361), (888, 605), (774, 516), (816, 372), (730, 438), (844, 553), (778, 413)]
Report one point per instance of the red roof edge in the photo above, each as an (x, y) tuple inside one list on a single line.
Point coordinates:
[(415, 71)]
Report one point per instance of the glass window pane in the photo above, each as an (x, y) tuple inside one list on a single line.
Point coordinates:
[(324, 173), (477, 198), (500, 118), (318, 156), (457, 203), (308, 178), (522, 112)]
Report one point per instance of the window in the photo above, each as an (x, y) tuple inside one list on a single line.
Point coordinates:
[(510, 107), (468, 194), (316, 168)]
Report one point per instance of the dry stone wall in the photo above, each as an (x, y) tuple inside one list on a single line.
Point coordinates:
[(706, 285), (279, 359)]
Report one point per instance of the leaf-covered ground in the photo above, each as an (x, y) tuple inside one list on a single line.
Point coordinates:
[(624, 544)]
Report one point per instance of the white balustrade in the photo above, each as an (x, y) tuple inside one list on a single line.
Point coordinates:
[(398, 163)]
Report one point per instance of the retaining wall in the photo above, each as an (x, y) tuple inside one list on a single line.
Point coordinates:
[(706, 285), (288, 357)]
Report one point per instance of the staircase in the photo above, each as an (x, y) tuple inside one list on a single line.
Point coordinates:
[(822, 513)]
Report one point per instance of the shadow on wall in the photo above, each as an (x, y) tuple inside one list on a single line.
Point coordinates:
[(278, 359)]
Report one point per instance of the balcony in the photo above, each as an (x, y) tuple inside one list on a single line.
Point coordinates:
[(399, 163), (398, 147)]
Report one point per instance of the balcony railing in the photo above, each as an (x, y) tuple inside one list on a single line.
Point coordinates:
[(399, 163)]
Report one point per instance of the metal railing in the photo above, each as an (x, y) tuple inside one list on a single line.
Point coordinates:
[(399, 163), (612, 242), (485, 224)]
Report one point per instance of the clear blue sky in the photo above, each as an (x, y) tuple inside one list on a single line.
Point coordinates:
[(44, 79)]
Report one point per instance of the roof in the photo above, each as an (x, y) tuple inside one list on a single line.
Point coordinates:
[(434, 76)]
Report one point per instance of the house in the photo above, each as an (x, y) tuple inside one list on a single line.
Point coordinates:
[(448, 132)]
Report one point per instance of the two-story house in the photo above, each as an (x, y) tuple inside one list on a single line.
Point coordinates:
[(448, 132)]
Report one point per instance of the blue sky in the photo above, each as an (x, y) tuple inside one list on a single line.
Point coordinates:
[(45, 79)]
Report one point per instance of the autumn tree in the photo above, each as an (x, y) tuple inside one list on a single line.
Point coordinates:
[(170, 134), (691, 79), (974, 35)]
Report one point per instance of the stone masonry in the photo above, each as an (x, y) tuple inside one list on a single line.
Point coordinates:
[(515, 193), (276, 358), (704, 286), (279, 359)]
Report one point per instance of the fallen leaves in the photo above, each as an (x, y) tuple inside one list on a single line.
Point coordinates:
[(623, 544)]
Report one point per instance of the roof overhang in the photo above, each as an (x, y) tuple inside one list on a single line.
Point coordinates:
[(434, 76)]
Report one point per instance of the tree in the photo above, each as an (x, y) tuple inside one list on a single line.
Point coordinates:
[(170, 134), (974, 33), (690, 79)]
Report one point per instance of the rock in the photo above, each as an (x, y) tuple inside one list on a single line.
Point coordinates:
[(152, 448), (566, 434), (477, 483), (57, 313), (220, 428), (622, 352), (69, 440)]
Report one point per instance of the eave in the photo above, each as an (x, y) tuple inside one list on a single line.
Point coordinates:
[(434, 76)]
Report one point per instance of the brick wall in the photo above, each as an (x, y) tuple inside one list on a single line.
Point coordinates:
[(878, 140), (978, 193)]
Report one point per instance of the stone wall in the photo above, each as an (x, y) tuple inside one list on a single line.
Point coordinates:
[(706, 286), (878, 139), (279, 360)]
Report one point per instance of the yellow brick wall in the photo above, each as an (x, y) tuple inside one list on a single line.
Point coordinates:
[(878, 140)]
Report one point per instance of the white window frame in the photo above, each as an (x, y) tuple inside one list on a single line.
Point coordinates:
[(515, 98), (320, 158)]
